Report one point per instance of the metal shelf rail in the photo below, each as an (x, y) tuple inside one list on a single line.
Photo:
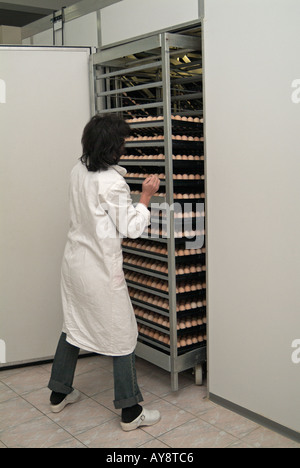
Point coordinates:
[(156, 84)]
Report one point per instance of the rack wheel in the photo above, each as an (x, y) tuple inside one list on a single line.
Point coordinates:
[(198, 374)]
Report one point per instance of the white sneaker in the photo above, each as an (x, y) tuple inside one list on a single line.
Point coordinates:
[(69, 400), (146, 418)]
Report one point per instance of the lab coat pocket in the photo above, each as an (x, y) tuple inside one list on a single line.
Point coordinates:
[(118, 278)]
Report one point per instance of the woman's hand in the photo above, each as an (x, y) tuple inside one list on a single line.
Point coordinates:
[(150, 187)]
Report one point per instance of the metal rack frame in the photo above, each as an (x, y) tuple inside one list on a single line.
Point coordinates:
[(111, 64)]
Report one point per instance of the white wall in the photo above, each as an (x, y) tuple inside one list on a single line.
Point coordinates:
[(252, 50), (122, 21), (10, 35), (45, 108), (77, 33), (132, 18)]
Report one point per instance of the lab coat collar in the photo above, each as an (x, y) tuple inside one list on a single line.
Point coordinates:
[(120, 170)]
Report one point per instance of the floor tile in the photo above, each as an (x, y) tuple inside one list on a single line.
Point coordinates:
[(82, 416), (110, 435), (171, 417), (70, 443), (158, 382), (9, 372), (37, 433), (264, 438), (197, 434), (106, 398), (154, 444), (230, 422), (192, 398), (189, 419), (6, 393), (16, 411), (93, 382), (240, 445), (28, 380), (92, 363)]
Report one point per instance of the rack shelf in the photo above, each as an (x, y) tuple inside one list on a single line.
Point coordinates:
[(160, 96)]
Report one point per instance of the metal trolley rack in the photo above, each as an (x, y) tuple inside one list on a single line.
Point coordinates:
[(156, 84)]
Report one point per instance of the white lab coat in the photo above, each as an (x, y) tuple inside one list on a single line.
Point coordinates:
[(98, 314)]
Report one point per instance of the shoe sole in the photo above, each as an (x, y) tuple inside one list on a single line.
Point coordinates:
[(132, 427)]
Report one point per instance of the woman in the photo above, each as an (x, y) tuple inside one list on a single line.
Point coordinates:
[(98, 314)]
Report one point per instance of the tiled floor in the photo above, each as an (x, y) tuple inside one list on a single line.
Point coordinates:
[(189, 419)]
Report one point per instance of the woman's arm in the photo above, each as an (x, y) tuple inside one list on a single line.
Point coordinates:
[(150, 187), (130, 221)]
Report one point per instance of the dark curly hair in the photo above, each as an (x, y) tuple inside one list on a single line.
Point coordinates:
[(103, 142)]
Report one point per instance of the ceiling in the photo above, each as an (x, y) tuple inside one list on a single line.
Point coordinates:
[(22, 12)]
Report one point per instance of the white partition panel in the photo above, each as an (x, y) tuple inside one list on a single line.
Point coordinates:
[(252, 72), (42, 114), (131, 18)]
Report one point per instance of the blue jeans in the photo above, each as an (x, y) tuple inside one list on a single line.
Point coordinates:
[(127, 392)]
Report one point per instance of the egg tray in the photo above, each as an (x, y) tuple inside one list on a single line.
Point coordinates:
[(187, 224), (190, 330), (161, 327), (201, 293), (141, 303), (154, 343), (179, 237), (158, 345), (178, 163), (182, 277), (177, 183), (199, 258), (150, 323), (180, 332), (146, 272), (177, 144), (193, 258), (183, 125), (164, 256), (144, 269), (198, 312), (146, 252), (185, 349), (150, 288)]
